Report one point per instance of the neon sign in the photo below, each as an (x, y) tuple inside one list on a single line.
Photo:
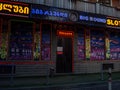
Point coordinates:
[(99, 20), (92, 19), (49, 13), (113, 22), (14, 9), (65, 33)]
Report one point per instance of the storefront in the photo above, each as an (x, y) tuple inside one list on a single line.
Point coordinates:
[(35, 38)]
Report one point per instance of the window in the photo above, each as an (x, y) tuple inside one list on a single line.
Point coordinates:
[(21, 41), (97, 45), (105, 2), (114, 45), (37, 46), (81, 44), (45, 42), (3, 39), (87, 44)]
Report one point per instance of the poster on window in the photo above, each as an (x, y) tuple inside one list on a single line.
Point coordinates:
[(97, 45), (114, 45), (46, 32), (87, 44), (107, 43), (3, 46), (0, 40), (37, 45), (21, 41), (3, 42), (81, 45)]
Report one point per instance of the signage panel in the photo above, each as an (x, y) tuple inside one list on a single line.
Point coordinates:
[(57, 14), (49, 13), (14, 9), (113, 22), (65, 33), (38, 11), (92, 19)]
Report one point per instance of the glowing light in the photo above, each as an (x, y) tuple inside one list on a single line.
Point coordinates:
[(65, 33), (49, 13), (113, 22), (11, 8)]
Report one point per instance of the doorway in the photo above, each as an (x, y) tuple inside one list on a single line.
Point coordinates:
[(64, 54)]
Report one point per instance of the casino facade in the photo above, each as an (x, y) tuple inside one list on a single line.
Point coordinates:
[(35, 38)]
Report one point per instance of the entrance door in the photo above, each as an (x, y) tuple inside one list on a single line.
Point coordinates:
[(64, 55)]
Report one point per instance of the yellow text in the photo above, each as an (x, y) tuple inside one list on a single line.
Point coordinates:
[(12, 8), (113, 22)]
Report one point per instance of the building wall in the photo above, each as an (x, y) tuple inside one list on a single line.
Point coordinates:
[(41, 68), (116, 3), (79, 66), (94, 67)]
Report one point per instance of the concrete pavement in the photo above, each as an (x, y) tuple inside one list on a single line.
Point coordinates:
[(66, 82)]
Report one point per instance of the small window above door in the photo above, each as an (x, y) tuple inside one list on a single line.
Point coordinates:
[(105, 2)]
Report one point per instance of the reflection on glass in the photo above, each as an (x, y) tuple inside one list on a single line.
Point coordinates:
[(81, 45), (97, 45), (114, 45), (21, 40), (46, 32)]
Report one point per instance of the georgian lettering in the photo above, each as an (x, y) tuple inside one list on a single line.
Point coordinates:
[(11, 8), (49, 13)]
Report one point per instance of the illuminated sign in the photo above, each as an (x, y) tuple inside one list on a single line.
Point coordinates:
[(113, 22), (65, 33), (92, 19), (65, 15), (14, 9), (49, 13)]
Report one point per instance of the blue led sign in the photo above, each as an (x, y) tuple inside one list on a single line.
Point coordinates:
[(64, 15), (92, 19), (97, 19), (49, 13), (84, 18)]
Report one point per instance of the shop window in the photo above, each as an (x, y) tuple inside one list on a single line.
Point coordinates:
[(0, 38), (114, 45), (3, 39), (107, 45), (37, 46), (97, 45), (81, 45), (87, 44), (21, 41), (45, 43)]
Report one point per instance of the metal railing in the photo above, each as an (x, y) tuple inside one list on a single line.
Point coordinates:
[(78, 5)]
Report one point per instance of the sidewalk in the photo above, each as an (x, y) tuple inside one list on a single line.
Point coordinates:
[(55, 81)]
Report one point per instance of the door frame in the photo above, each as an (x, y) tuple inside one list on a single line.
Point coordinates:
[(67, 34)]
